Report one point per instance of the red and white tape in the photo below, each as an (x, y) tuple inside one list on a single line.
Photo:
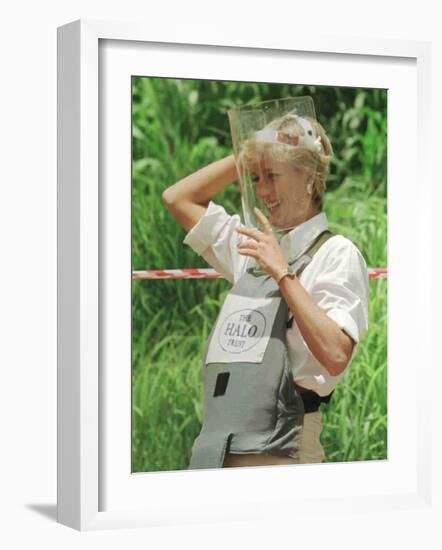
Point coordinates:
[(196, 273), (208, 273)]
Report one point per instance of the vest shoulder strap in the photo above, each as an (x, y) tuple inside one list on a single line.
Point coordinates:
[(314, 247)]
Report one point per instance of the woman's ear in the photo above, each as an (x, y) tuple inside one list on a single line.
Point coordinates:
[(310, 183)]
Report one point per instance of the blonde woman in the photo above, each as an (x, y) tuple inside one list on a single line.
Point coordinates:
[(298, 308)]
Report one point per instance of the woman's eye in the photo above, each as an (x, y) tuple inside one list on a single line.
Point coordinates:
[(270, 176)]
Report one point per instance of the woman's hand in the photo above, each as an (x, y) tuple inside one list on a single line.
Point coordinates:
[(264, 247), (187, 200), (331, 346)]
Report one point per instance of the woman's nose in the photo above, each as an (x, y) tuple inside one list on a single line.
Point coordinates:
[(262, 187)]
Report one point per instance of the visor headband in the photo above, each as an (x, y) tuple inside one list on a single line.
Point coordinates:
[(309, 141)]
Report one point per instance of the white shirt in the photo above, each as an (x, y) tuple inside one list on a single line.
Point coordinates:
[(336, 279)]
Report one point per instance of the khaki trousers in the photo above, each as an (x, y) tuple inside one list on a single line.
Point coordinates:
[(310, 450)]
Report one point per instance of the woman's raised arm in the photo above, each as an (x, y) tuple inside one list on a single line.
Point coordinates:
[(188, 198)]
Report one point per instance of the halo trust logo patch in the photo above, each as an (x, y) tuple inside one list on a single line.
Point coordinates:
[(241, 330)]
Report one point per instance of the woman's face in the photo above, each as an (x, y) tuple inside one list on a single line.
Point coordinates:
[(283, 190)]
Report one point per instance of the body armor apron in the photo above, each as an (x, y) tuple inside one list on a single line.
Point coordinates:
[(251, 404)]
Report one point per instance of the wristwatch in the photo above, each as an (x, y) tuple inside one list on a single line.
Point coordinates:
[(287, 272)]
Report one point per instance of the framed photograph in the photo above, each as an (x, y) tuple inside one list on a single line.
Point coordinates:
[(138, 112)]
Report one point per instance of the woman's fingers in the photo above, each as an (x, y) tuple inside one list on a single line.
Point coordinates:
[(256, 233), (250, 232), (248, 252), (248, 244), (265, 222)]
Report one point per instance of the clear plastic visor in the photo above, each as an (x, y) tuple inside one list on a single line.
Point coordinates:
[(276, 148)]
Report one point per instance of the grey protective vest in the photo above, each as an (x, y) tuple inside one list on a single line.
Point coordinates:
[(251, 404)]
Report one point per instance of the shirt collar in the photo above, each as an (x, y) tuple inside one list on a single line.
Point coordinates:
[(301, 237)]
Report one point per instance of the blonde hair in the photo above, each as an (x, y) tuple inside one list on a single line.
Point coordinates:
[(314, 163)]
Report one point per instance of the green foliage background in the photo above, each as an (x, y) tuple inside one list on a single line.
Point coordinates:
[(178, 127)]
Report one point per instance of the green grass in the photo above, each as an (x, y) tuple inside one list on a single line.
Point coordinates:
[(179, 126)]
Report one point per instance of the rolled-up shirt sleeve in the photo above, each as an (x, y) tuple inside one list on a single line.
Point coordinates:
[(214, 238), (341, 287)]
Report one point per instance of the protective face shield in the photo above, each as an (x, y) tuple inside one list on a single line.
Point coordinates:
[(276, 148)]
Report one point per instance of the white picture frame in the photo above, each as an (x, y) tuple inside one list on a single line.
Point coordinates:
[(84, 466)]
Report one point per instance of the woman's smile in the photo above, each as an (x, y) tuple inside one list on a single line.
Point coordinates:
[(272, 205)]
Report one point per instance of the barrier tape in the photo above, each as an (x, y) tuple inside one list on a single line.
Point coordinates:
[(208, 273)]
